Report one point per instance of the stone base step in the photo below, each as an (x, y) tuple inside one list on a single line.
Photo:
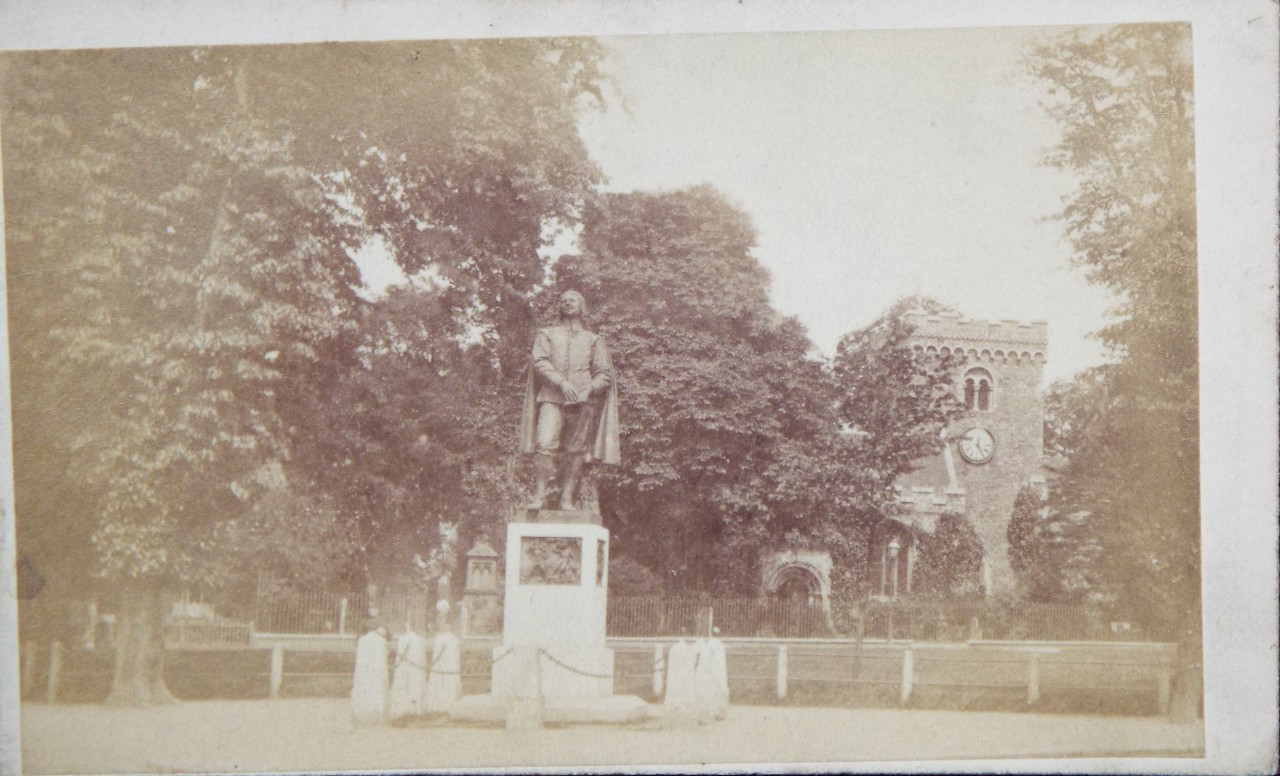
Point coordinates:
[(610, 710)]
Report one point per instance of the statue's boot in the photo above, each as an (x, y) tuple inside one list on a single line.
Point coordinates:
[(569, 493), (544, 468)]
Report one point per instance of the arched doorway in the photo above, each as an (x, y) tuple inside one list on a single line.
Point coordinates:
[(799, 608)]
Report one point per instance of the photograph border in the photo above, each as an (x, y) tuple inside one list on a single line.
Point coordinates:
[(1236, 63)]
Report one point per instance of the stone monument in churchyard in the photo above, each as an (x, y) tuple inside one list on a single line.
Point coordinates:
[(553, 664), (481, 598)]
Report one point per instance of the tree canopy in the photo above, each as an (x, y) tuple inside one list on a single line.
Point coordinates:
[(1129, 429), (896, 401), (723, 414), (950, 562), (732, 426), (186, 310)]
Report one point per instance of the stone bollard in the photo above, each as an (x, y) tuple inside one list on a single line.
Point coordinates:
[(704, 682), (702, 695), (524, 706), (680, 698), (369, 685), (409, 677), (444, 680), (715, 664)]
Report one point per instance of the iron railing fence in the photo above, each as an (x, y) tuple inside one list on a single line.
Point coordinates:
[(906, 619), (686, 616), (951, 621), (731, 617), (332, 612)]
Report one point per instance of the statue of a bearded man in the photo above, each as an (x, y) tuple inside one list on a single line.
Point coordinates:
[(571, 405)]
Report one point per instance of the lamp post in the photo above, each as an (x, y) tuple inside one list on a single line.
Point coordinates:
[(894, 547), (893, 597)]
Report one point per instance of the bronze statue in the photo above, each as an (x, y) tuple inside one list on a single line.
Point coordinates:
[(571, 404)]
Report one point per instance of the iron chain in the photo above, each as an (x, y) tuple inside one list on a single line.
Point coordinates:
[(570, 668), (431, 669)]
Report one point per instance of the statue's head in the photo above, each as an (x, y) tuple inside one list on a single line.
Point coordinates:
[(571, 304)]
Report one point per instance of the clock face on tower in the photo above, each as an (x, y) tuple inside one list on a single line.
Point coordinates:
[(977, 445)]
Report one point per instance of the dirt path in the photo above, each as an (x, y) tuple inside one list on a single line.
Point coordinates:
[(314, 735)]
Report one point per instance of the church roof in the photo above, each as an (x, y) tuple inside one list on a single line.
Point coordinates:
[(931, 474), (929, 490)]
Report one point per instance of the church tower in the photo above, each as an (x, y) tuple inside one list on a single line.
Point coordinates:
[(997, 446)]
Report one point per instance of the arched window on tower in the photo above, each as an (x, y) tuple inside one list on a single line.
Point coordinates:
[(977, 390)]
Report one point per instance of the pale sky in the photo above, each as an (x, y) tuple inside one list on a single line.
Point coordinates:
[(873, 164)]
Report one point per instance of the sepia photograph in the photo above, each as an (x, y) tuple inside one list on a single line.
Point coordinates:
[(730, 399)]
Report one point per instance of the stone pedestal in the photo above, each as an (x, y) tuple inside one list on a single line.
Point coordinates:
[(555, 600), (553, 624)]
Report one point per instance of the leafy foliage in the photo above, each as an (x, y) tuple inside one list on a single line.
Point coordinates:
[(893, 404), (199, 373), (210, 293), (628, 577), (950, 560), (193, 266), (413, 441), (724, 416), (896, 401), (1053, 554), (731, 428), (1123, 100)]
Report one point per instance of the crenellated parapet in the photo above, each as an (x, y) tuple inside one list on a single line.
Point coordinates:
[(1016, 342)]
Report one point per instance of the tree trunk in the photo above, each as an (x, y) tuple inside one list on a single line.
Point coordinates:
[(139, 664)]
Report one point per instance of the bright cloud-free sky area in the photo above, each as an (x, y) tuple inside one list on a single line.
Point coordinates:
[(874, 165)]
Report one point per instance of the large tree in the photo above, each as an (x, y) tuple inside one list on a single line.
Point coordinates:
[(895, 400), (1123, 99), (735, 434), (460, 167), (1053, 553), (189, 257), (725, 417), (184, 304), (893, 404)]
